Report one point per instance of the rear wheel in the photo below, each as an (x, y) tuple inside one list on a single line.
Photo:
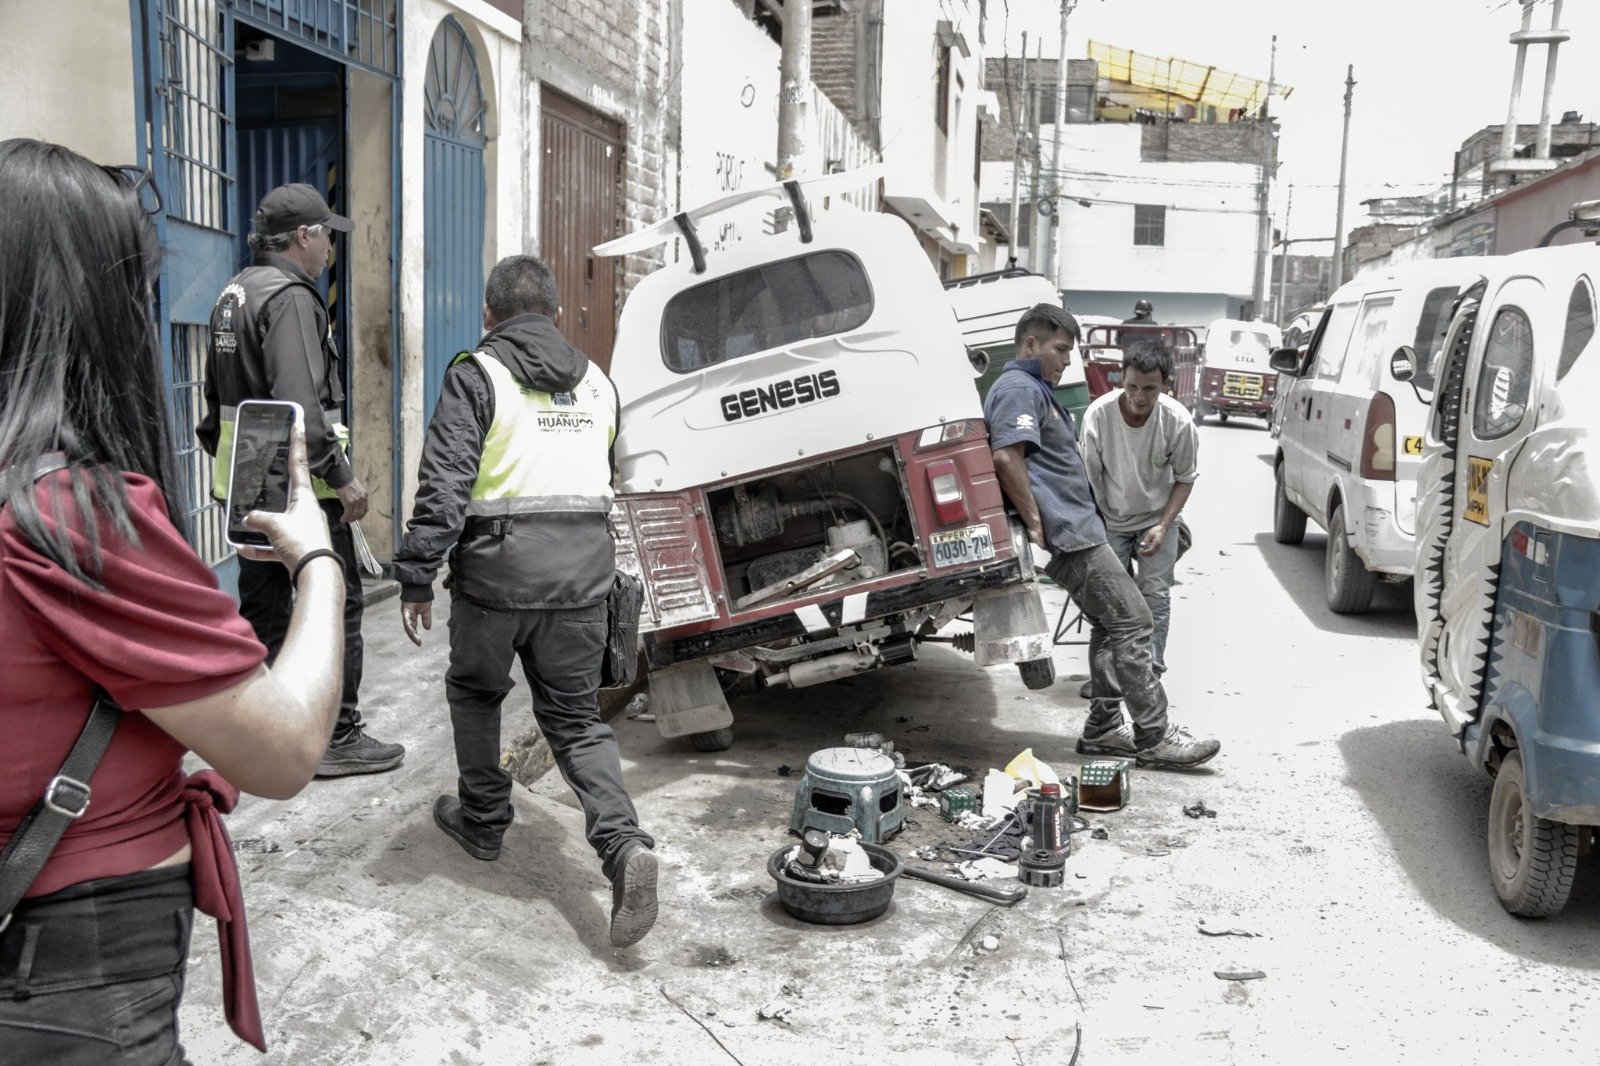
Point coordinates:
[(713, 739), (1038, 673), (1350, 583), (1201, 411), (1531, 861), (1288, 521), (1222, 416)]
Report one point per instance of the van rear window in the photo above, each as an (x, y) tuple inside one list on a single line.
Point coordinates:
[(775, 304)]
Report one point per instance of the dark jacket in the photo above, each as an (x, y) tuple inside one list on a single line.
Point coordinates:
[(270, 341), (548, 560)]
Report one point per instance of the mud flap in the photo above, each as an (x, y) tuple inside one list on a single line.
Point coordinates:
[(1009, 626), (687, 698)]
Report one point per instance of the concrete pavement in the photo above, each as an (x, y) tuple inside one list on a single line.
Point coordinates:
[(1349, 836)]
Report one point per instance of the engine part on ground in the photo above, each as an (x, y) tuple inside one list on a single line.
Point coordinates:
[(807, 866), (835, 903), (829, 564), (849, 788), (827, 668), (858, 536), (1042, 868), (995, 893)]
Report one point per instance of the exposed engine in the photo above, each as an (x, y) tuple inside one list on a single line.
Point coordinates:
[(833, 524)]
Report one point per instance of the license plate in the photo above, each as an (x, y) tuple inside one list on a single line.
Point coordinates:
[(1242, 386), (959, 546)]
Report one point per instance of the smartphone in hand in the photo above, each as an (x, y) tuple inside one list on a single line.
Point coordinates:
[(258, 479)]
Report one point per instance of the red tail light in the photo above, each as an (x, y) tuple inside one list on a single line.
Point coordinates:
[(949, 501), (1377, 440)]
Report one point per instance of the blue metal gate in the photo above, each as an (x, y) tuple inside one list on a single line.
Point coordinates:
[(453, 189)]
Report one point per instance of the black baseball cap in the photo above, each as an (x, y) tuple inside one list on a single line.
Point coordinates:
[(291, 206)]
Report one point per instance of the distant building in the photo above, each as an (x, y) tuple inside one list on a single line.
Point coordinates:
[(1160, 177), (1475, 176), (1300, 282)]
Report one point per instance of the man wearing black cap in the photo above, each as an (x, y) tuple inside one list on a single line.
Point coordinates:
[(270, 340), (1144, 313)]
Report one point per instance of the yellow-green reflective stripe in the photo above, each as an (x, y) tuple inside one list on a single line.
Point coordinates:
[(510, 505)]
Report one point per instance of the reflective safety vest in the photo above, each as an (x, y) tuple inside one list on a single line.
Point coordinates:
[(545, 452)]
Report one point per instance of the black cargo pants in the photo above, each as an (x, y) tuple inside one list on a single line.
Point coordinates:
[(561, 651)]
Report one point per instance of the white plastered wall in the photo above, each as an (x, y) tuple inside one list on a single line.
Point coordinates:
[(66, 75)]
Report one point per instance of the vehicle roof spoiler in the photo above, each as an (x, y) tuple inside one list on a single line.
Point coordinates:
[(685, 223)]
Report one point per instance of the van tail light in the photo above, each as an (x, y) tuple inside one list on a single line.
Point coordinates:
[(961, 430), (949, 501), (1377, 439)]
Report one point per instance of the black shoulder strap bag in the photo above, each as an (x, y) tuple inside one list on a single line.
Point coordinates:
[(65, 798)]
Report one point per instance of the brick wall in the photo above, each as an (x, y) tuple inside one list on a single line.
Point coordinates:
[(1197, 142), (618, 59), (834, 67)]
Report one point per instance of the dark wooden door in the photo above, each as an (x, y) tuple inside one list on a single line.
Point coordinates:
[(580, 208)]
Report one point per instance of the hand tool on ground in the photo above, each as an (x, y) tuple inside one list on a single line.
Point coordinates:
[(1006, 895)]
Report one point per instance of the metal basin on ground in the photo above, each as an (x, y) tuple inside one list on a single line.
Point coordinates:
[(837, 904)]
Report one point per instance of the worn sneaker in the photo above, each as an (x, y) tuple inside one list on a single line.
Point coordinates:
[(1118, 741), (479, 843), (633, 898), (1178, 750), (359, 754)]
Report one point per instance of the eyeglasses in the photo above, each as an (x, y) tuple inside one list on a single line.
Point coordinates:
[(143, 183)]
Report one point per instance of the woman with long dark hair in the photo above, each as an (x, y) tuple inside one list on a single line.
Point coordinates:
[(101, 594)]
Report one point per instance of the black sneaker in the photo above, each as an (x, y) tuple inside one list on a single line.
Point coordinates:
[(1117, 741), (478, 843), (633, 898), (359, 754)]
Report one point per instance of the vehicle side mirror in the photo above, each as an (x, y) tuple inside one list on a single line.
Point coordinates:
[(1287, 361), (979, 360), (1403, 364)]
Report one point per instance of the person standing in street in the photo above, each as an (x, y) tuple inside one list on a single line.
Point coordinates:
[(1042, 474), (1142, 455), (515, 487), (270, 340)]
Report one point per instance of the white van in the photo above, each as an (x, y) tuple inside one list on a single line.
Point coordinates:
[(1350, 435)]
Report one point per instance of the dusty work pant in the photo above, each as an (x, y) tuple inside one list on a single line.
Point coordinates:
[(1153, 574), (560, 652), (266, 599), (93, 974), (1119, 643)]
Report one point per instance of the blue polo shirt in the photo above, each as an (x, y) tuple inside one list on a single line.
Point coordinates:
[(1021, 409)]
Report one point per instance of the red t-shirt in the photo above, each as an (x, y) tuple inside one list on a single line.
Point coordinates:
[(161, 633)]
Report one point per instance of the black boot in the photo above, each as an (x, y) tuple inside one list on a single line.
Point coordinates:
[(479, 843)]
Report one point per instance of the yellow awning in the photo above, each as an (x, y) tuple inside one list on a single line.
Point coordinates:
[(1182, 79)]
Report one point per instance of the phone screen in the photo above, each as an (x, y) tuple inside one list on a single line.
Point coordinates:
[(260, 476)]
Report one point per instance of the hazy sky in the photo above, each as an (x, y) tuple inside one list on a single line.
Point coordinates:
[(1428, 73)]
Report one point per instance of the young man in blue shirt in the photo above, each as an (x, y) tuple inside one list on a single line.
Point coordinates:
[(1042, 473)]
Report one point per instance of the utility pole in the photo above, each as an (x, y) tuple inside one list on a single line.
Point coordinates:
[(1508, 132), (1053, 255), (1556, 36), (1017, 121), (1283, 261), (1035, 258), (1344, 161), (1264, 224), (794, 89)]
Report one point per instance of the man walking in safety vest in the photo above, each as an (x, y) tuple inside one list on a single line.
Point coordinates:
[(516, 478), (270, 340)]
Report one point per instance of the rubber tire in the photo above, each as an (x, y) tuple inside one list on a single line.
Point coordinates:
[(713, 739), (1532, 881), (1222, 417), (1202, 411), (1038, 673), (1288, 521), (1346, 579)]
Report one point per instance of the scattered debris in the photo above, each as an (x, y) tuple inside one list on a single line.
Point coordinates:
[(1157, 852), (794, 988), (1239, 975), (978, 869), (690, 1015), (903, 719), (1224, 932), (638, 705), (990, 942), (1200, 810), (1065, 965), (1099, 833), (774, 1011), (785, 770)]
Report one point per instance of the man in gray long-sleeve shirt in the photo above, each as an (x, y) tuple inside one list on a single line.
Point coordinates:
[(1142, 454)]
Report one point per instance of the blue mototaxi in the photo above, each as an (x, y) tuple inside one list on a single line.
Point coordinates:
[(1508, 569)]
